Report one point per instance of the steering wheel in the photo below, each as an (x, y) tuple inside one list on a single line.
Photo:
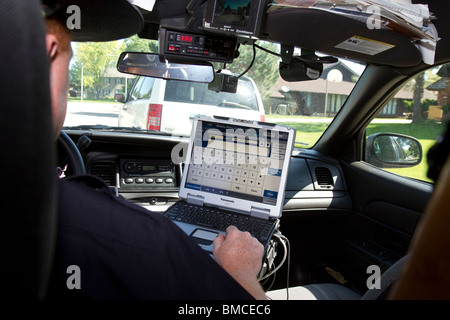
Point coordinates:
[(73, 154)]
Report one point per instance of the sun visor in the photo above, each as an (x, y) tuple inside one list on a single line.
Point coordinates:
[(100, 20), (339, 36)]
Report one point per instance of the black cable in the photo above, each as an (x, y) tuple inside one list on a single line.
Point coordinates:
[(251, 63), (267, 50)]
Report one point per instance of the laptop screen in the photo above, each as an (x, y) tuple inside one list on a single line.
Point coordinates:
[(238, 161)]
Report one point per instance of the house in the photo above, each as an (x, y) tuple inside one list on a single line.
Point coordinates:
[(442, 87), (115, 82), (326, 95)]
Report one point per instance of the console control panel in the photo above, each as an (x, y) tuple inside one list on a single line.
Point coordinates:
[(147, 174)]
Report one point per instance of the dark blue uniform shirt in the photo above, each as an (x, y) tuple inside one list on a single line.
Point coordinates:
[(123, 251)]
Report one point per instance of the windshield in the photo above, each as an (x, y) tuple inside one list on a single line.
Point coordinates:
[(168, 106)]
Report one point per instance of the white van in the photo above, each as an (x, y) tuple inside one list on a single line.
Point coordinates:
[(170, 105)]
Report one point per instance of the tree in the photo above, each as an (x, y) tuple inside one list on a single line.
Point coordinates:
[(417, 85), (75, 75), (417, 99), (95, 58), (136, 44)]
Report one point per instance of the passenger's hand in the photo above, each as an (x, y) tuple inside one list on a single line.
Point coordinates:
[(240, 255)]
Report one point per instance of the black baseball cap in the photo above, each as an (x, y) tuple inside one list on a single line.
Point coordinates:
[(99, 20)]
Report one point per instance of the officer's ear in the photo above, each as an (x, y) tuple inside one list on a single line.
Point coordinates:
[(52, 46)]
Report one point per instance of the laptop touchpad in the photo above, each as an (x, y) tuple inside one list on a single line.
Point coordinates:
[(204, 237)]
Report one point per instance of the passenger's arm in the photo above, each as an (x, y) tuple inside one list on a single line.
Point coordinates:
[(240, 255)]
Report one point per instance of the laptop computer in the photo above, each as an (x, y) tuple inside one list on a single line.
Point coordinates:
[(235, 174)]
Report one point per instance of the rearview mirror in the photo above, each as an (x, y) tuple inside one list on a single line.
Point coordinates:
[(390, 150), (156, 66)]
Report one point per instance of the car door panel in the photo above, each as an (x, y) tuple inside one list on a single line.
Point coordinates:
[(386, 211)]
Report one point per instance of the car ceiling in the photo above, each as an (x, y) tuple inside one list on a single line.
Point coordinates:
[(323, 30)]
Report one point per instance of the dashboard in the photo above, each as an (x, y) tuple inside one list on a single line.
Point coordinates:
[(147, 170)]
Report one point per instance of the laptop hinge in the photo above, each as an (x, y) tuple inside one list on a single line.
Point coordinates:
[(260, 213), (194, 199)]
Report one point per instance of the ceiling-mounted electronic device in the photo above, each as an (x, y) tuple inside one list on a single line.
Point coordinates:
[(235, 18), (191, 46)]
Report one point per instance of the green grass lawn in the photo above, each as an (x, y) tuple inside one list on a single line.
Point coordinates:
[(78, 99), (426, 133)]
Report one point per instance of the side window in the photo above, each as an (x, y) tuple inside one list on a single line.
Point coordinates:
[(420, 110), (134, 94), (142, 89), (146, 89)]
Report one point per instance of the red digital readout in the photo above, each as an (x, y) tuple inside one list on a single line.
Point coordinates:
[(186, 38)]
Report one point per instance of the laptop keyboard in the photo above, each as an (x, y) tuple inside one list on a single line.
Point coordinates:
[(220, 219)]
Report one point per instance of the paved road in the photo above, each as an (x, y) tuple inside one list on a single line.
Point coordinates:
[(89, 113)]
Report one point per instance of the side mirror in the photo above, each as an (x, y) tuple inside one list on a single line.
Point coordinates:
[(156, 66), (391, 150), (119, 97)]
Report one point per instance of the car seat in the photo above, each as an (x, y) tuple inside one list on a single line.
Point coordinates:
[(331, 291), (27, 151)]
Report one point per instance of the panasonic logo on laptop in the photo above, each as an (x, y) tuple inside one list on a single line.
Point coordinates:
[(226, 200)]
